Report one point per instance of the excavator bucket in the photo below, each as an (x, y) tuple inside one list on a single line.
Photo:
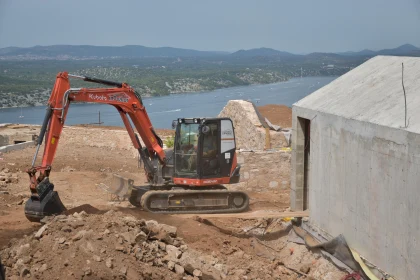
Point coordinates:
[(119, 189), (46, 203)]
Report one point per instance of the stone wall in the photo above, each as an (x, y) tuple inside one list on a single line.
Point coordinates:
[(249, 131), (264, 171)]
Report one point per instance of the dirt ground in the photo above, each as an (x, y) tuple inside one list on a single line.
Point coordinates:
[(229, 248), (277, 114)]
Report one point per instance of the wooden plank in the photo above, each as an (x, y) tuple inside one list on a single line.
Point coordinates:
[(248, 215), (267, 139)]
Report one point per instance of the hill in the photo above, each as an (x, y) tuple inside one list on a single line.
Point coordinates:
[(262, 52), (86, 51), (403, 50), (79, 52)]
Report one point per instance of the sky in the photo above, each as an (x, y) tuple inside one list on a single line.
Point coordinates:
[(298, 26)]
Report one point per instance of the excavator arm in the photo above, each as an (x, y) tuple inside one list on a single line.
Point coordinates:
[(124, 98)]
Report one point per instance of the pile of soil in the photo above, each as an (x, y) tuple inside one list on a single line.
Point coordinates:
[(108, 246), (277, 114), (114, 245)]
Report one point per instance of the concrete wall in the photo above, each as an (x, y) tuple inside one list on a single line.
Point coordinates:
[(16, 147), (4, 140), (364, 182)]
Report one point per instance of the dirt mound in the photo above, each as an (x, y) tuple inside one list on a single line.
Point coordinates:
[(119, 246), (277, 114), (100, 247)]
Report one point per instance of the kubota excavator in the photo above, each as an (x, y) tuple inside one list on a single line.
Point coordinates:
[(186, 179)]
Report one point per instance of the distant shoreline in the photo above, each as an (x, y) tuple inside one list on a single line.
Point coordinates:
[(176, 93)]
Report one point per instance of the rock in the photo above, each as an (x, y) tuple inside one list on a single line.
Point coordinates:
[(171, 265), (123, 270), (79, 235), (119, 248), (83, 214), (26, 259), (40, 232), (305, 268), (109, 263), (60, 218), (20, 202), (96, 258), (46, 219), (163, 236), (90, 247), (221, 267), (189, 269), (87, 271), (66, 229), (169, 229), (140, 237), (183, 248), (13, 179), (5, 170), (25, 272), (173, 253), (61, 240), (179, 269), (239, 254), (38, 255), (43, 267), (77, 224), (23, 249), (68, 169), (162, 246), (177, 242), (128, 237), (154, 229), (197, 273), (66, 262)]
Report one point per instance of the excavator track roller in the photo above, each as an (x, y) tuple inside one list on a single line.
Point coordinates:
[(46, 203), (190, 201)]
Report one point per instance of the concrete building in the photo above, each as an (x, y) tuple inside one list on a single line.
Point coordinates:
[(356, 162)]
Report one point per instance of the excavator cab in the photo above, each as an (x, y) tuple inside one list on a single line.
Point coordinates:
[(205, 152)]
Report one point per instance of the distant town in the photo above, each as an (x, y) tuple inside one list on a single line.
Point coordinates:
[(27, 74)]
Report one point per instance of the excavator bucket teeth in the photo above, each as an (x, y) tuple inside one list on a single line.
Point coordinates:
[(46, 203)]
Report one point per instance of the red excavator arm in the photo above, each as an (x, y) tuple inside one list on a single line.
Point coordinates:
[(121, 96)]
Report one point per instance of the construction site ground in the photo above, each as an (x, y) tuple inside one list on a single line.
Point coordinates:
[(253, 246)]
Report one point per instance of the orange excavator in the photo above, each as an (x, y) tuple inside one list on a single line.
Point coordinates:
[(187, 178)]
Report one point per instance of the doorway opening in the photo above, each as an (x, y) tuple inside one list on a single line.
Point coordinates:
[(304, 138)]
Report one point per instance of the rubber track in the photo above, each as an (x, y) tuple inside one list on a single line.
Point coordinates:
[(192, 211)]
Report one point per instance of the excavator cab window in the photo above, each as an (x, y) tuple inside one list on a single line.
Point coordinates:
[(186, 147), (210, 140)]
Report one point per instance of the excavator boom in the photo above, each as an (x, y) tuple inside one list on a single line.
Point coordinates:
[(128, 103)]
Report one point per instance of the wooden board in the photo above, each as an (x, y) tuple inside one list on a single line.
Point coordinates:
[(249, 215)]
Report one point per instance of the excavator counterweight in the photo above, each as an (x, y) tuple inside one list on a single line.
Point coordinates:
[(186, 179)]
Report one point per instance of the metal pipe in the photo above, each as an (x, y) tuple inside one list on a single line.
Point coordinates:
[(76, 76), (96, 80), (35, 156), (47, 118), (66, 99)]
